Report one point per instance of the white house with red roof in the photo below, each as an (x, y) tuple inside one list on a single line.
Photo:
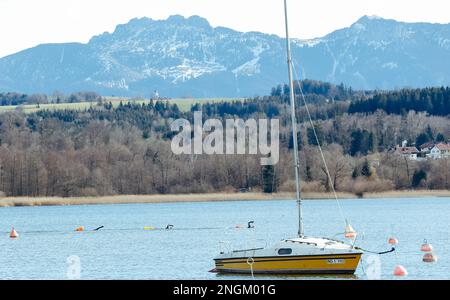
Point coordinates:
[(407, 152), (439, 151), (426, 148)]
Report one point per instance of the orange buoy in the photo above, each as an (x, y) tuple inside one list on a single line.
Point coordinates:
[(426, 247), (429, 258), (13, 234), (79, 229), (400, 271), (393, 241), (350, 233)]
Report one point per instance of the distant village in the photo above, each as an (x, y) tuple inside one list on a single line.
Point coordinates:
[(426, 151)]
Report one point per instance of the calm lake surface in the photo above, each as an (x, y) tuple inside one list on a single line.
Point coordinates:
[(124, 250)]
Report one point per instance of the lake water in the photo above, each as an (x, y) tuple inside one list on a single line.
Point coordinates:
[(124, 250)]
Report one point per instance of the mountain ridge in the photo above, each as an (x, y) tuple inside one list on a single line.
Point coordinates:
[(187, 57)]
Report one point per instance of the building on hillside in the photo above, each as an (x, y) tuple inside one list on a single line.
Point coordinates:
[(156, 95), (425, 149), (440, 151), (411, 153)]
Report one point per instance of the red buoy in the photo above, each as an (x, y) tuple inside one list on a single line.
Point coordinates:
[(400, 271), (426, 247), (393, 241), (350, 233), (13, 234)]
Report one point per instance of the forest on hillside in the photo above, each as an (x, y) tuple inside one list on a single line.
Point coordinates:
[(434, 101), (16, 99), (125, 149)]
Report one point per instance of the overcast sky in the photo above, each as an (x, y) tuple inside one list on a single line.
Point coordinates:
[(26, 23)]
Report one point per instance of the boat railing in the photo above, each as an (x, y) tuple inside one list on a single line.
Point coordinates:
[(257, 243), (247, 250), (252, 245), (224, 247)]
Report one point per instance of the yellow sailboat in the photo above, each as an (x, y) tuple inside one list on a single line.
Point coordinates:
[(300, 255)]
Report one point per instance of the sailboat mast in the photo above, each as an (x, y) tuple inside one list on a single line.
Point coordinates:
[(294, 126)]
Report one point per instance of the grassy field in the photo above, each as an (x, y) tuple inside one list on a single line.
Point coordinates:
[(183, 104), (217, 197)]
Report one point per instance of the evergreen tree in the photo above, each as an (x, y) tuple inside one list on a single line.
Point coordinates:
[(422, 139), (355, 173), (312, 139), (309, 176), (286, 90), (429, 133), (366, 169), (362, 142), (270, 180), (440, 138), (418, 177), (277, 91)]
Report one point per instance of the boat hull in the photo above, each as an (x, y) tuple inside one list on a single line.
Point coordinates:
[(312, 264)]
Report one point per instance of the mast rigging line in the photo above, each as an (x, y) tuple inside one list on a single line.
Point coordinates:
[(374, 252), (327, 169), (291, 70)]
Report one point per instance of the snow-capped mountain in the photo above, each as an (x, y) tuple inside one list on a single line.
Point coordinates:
[(183, 57), (379, 53)]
